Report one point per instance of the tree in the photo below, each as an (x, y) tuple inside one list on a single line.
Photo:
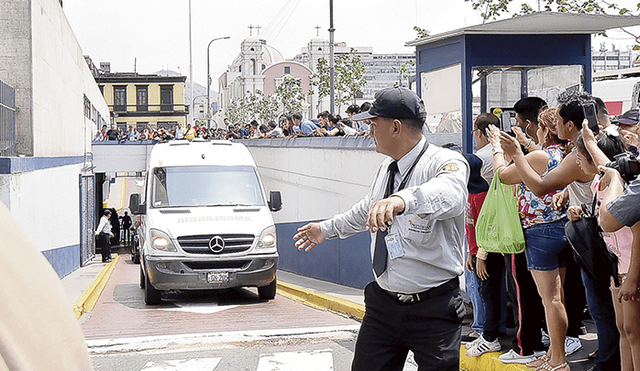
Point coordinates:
[(348, 75), (288, 97), (493, 9)]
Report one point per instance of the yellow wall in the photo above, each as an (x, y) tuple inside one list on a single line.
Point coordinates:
[(154, 102)]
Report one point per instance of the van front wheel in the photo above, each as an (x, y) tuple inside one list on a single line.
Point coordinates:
[(268, 292), (151, 295)]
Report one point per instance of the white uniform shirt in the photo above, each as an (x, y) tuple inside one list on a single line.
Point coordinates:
[(104, 226), (431, 228)]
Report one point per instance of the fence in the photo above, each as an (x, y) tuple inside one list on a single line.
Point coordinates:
[(7, 120)]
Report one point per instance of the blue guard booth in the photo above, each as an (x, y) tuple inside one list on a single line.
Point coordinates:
[(465, 72)]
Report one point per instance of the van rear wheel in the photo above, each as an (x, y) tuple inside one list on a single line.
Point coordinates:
[(268, 292), (151, 295)]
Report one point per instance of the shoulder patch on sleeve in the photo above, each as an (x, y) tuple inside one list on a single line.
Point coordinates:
[(451, 167)]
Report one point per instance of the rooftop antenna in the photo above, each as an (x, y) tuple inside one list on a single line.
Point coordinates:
[(135, 62)]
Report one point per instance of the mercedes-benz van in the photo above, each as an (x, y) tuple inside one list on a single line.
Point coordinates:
[(206, 223)]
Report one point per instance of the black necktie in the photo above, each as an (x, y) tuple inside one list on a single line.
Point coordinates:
[(380, 251)]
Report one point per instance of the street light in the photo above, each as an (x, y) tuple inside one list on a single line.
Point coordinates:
[(209, 81)]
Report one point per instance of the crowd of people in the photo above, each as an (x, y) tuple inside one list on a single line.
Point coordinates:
[(291, 126), (557, 165)]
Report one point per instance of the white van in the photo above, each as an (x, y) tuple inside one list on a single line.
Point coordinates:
[(205, 223)]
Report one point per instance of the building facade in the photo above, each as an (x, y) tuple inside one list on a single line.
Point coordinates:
[(47, 182), (139, 100)]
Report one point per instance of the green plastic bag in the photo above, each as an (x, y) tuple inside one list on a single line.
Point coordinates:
[(498, 227)]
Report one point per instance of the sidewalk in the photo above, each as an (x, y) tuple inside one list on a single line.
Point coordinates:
[(85, 285)]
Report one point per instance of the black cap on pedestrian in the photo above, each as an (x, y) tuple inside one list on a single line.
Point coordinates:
[(395, 103), (631, 117)]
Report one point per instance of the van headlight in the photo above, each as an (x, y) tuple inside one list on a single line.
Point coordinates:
[(161, 241), (267, 239)]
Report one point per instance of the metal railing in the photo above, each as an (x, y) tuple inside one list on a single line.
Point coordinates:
[(7, 120)]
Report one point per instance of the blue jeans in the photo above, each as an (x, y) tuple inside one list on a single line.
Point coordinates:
[(601, 309), (471, 286)]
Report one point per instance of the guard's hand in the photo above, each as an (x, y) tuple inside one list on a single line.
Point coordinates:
[(308, 236), (481, 269), (382, 213)]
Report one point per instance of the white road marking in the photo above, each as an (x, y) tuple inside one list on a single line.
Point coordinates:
[(319, 360), (193, 341), (200, 308), (206, 364)]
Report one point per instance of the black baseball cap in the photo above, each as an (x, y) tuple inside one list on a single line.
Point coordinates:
[(395, 103), (631, 117)]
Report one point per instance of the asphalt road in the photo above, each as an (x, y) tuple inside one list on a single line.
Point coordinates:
[(212, 330)]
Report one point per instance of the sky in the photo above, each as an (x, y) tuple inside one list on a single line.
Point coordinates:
[(154, 34)]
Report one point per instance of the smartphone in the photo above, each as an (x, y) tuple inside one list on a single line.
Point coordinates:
[(505, 121), (589, 110)]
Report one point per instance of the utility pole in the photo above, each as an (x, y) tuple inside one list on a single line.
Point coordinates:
[(331, 59), (190, 65), (209, 82)]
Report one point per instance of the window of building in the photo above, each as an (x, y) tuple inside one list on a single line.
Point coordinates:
[(87, 107), (120, 98), (140, 126), (287, 70), (166, 97), (142, 97), (101, 87)]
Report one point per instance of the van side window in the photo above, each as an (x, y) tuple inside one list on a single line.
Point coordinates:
[(160, 196)]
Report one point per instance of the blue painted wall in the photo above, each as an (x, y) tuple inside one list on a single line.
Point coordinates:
[(64, 260), (346, 262)]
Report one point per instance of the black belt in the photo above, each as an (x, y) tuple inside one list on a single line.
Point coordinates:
[(421, 296)]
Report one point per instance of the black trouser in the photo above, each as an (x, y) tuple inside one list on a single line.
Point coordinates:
[(431, 329), (105, 246), (529, 337), (489, 290), (126, 234)]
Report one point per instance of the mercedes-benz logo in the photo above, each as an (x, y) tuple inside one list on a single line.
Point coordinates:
[(216, 244)]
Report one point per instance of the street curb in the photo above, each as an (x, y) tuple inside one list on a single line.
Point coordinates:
[(321, 301), (90, 296), (487, 362)]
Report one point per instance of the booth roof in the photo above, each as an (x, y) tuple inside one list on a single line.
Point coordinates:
[(540, 23)]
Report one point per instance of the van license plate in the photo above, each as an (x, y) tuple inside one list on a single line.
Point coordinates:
[(218, 277)]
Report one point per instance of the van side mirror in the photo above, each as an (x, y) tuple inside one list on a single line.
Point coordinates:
[(135, 206), (275, 201)]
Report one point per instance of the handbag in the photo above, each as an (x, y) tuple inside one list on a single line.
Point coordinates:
[(498, 227), (590, 250)]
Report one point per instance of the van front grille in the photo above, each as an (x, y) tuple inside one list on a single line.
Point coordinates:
[(200, 244), (208, 265)]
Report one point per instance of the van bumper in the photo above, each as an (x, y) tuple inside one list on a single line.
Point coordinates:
[(179, 273)]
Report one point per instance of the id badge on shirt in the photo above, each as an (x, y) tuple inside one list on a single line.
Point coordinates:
[(394, 246)]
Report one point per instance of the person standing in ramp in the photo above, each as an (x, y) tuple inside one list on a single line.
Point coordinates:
[(415, 211)]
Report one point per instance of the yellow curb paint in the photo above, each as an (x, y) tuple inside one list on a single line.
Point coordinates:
[(88, 299), (321, 301), (487, 362)]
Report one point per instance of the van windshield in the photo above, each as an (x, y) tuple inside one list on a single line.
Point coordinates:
[(205, 186)]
